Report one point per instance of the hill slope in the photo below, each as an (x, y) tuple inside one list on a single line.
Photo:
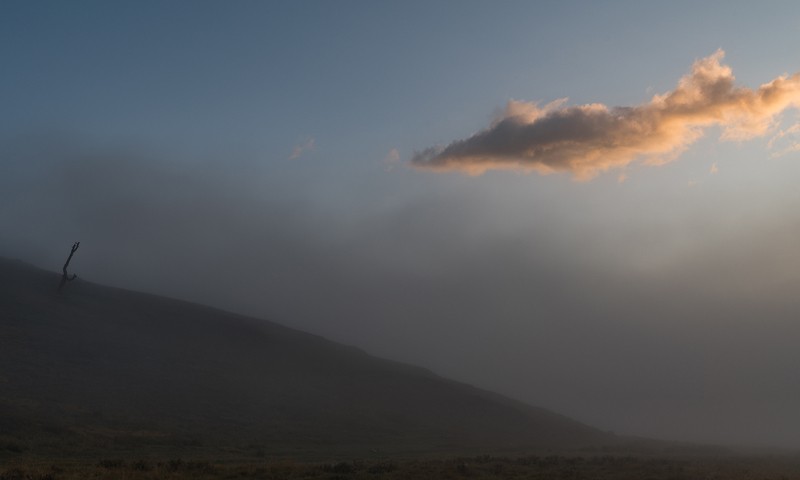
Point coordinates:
[(103, 368)]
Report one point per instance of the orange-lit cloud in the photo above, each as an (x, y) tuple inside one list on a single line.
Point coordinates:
[(792, 134), (588, 139)]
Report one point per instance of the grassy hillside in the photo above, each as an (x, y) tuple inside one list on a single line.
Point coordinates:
[(103, 369), (593, 467)]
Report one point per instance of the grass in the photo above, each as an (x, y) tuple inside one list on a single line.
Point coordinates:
[(477, 467)]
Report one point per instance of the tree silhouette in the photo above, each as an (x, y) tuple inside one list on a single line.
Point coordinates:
[(64, 277)]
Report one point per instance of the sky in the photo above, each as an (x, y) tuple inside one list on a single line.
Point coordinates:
[(587, 206)]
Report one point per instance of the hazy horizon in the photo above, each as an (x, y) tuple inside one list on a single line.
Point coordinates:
[(407, 179)]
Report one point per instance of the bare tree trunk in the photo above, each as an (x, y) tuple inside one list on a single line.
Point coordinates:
[(64, 277)]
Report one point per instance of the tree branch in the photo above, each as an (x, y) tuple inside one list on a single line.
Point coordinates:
[(64, 276)]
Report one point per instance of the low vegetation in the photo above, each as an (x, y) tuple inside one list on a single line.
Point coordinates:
[(478, 467)]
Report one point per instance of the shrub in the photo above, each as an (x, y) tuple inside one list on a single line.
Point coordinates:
[(141, 466), (383, 467), (111, 463)]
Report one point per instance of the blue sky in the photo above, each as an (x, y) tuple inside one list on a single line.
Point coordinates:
[(360, 78), (160, 133)]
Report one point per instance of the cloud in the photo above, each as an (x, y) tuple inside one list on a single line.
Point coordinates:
[(299, 150), (714, 169), (391, 159), (792, 134), (588, 139), (623, 295)]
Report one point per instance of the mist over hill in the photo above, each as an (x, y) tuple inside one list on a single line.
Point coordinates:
[(103, 368)]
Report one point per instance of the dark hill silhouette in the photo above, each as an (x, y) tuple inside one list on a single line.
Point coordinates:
[(95, 367)]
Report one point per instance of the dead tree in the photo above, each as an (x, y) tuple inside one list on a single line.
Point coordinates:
[(64, 277)]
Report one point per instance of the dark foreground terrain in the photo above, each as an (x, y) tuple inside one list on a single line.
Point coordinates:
[(102, 383), (120, 373), (596, 467)]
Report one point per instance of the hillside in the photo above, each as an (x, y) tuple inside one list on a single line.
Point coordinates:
[(99, 368)]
